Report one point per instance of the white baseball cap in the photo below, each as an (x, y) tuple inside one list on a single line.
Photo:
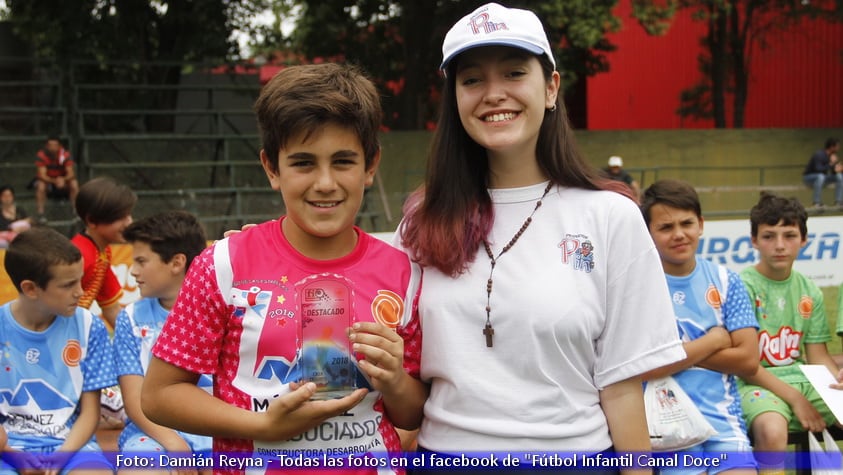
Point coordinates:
[(494, 24), (615, 161)]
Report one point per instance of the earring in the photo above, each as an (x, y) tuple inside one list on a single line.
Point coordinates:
[(552, 109)]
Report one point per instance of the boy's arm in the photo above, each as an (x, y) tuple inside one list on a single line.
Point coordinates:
[(169, 396), (716, 339), (130, 387), (623, 406), (805, 412), (740, 359), (383, 362), (109, 314), (738, 313), (86, 424)]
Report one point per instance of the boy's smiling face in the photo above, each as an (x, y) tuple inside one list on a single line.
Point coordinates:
[(322, 178)]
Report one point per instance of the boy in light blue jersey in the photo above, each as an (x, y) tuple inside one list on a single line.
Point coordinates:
[(56, 358), (163, 246), (715, 320)]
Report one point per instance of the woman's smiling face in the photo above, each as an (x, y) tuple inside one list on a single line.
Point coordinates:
[(502, 96)]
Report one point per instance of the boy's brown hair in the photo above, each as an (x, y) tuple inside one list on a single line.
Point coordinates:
[(169, 233), (302, 99), (102, 200), (34, 252), (674, 193), (773, 209)]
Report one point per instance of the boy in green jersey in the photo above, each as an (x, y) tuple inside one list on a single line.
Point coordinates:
[(793, 330)]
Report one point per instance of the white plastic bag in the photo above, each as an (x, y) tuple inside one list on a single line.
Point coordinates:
[(673, 420), (825, 458)]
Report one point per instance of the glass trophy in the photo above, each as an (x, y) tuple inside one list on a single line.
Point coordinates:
[(326, 312)]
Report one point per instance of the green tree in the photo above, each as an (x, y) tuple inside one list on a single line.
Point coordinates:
[(735, 29), (399, 43), (115, 41), (128, 29)]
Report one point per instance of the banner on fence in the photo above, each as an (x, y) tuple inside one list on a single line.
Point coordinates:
[(726, 242), (729, 243)]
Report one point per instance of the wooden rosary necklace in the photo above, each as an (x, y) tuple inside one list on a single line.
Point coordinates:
[(488, 330)]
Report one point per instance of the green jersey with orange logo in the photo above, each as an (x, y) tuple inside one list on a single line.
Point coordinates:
[(790, 314)]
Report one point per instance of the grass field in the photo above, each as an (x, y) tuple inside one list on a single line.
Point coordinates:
[(833, 313)]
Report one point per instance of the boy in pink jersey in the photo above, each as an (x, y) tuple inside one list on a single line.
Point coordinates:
[(240, 311)]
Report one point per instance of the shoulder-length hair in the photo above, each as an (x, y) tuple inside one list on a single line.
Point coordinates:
[(448, 218)]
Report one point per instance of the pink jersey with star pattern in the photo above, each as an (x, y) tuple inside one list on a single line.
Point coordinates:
[(237, 317)]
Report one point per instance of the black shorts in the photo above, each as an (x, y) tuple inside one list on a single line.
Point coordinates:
[(52, 191)]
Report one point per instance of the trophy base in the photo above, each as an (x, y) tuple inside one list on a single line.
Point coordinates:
[(323, 395)]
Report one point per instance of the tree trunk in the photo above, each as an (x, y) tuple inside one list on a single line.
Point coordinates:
[(417, 17), (719, 57), (740, 72)]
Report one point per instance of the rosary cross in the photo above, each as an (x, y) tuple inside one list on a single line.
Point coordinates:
[(489, 332)]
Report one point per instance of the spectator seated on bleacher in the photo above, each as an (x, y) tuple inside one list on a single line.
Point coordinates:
[(13, 218), (824, 167), (54, 175)]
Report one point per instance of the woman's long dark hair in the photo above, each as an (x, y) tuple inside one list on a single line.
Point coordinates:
[(447, 218)]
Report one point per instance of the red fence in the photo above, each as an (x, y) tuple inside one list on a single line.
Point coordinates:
[(797, 81)]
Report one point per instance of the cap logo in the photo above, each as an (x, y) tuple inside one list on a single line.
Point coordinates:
[(481, 22)]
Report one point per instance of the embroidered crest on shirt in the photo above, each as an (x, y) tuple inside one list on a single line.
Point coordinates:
[(713, 297), (143, 332), (806, 306), (32, 355), (72, 353), (387, 308), (253, 300), (578, 251), (759, 307)]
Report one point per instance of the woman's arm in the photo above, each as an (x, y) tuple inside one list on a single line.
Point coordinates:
[(623, 406)]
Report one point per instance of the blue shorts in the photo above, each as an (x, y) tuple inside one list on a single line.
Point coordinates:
[(140, 442), (89, 457), (736, 455)]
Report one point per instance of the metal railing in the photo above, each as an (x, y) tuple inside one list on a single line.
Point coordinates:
[(198, 148), (731, 191)]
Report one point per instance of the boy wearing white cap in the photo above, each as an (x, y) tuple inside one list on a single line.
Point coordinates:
[(616, 172)]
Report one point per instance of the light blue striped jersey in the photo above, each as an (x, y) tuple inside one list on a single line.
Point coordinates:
[(137, 329), (45, 373), (698, 302)]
